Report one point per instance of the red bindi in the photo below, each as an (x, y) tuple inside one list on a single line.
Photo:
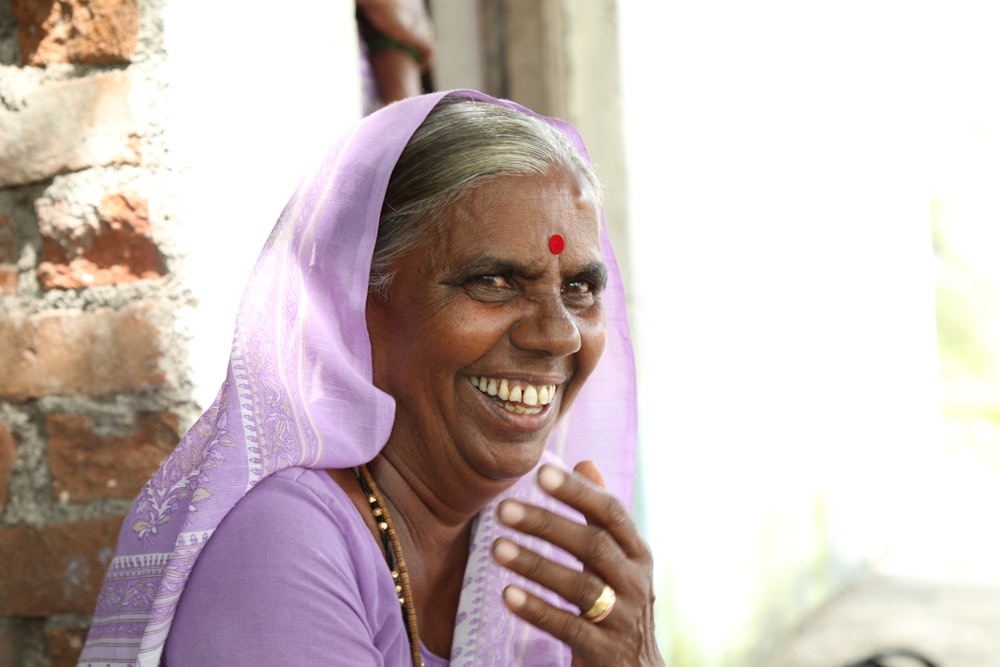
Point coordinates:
[(557, 244)]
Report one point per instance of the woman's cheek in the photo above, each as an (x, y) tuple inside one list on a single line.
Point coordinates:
[(593, 337)]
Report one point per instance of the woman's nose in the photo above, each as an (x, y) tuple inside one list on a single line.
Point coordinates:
[(548, 327)]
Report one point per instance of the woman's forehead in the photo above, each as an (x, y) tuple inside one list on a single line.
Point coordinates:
[(527, 212)]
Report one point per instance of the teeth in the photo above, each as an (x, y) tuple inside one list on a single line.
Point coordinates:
[(530, 396), (520, 399), (519, 409)]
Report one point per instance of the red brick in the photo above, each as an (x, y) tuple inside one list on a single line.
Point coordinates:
[(87, 466), (51, 135), (120, 250), (76, 31), (65, 645), (8, 279), (71, 352), (54, 569), (125, 211), (8, 456)]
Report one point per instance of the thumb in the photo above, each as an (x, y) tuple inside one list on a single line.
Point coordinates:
[(589, 470)]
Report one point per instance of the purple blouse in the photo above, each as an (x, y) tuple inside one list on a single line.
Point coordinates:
[(332, 601)]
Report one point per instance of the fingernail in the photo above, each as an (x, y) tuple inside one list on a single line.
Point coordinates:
[(511, 512), (505, 552), (514, 596), (551, 478)]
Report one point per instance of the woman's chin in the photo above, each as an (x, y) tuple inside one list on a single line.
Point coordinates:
[(510, 461)]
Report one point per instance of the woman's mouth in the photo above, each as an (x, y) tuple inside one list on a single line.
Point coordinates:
[(521, 398)]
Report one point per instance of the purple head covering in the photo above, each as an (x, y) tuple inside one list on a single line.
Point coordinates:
[(299, 392)]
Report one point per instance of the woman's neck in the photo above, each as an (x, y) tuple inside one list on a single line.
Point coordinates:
[(434, 535)]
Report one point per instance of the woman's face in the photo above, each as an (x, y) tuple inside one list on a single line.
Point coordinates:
[(486, 335)]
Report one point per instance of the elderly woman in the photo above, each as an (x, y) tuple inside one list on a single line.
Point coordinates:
[(380, 480)]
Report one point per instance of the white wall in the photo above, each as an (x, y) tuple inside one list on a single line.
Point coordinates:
[(257, 92), (781, 246)]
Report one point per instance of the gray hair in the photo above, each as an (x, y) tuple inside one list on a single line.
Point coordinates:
[(462, 145)]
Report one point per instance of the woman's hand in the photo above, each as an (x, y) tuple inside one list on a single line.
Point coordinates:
[(613, 554)]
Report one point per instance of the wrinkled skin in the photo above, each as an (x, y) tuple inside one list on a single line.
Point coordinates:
[(612, 552)]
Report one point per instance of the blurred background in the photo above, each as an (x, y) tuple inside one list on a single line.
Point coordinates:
[(802, 196)]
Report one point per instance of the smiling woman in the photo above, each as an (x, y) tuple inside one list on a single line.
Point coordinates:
[(498, 306), (382, 477)]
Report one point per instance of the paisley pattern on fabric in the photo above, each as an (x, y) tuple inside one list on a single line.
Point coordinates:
[(181, 482)]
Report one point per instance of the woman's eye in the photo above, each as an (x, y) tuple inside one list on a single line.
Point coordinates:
[(490, 288), (579, 294), (491, 281)]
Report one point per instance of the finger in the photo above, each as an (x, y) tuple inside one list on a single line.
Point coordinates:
[(596, 504), (590, 471), (592, 545), (580, 635), (579, 588)]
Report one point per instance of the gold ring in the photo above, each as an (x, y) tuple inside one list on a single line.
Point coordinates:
[(602, 606)]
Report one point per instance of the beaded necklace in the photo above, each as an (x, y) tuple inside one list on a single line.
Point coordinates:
[(393, 558)]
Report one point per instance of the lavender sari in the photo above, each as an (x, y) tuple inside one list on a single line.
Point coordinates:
[(299, 392)]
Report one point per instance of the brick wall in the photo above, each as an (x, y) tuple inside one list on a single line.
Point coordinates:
[(92, 373)]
